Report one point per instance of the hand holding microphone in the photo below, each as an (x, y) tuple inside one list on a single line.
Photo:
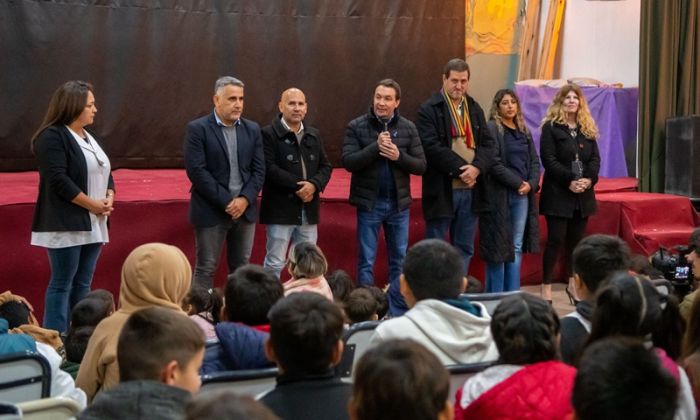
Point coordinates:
[(387, 148)]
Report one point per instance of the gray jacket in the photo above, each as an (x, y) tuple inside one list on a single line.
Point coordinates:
[(138, 400)]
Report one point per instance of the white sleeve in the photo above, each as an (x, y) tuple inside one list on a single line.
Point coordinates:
[(685, 409), (62, 384)]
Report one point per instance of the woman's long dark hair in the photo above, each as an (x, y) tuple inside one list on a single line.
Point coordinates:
[(66, 105)]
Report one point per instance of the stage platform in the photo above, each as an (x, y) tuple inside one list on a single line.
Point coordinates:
[(151, 205)]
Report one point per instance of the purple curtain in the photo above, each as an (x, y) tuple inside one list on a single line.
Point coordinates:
[(614, 111)]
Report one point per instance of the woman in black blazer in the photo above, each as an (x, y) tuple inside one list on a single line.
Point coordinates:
[(76, 195), (569, 153)]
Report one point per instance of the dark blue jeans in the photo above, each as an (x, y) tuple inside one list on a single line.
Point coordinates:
[(209, 241), (71, 275), (395, 223), (461, 226)]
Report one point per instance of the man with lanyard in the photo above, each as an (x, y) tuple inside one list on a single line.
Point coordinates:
[(381, 149), (458, 147), (224, 160), (297, 170)]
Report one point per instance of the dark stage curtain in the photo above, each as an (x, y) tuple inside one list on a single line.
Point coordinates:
[(154, 63), (669, 85)]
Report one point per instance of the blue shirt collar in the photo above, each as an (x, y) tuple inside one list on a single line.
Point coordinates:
[(221, 124)]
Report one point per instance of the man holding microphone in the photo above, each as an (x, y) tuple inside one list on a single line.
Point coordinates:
[(381, 149)]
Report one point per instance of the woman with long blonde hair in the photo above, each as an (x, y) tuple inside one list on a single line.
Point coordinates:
[(571, 161)]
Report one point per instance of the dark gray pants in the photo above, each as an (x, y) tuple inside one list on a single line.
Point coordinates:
[(238, 236)]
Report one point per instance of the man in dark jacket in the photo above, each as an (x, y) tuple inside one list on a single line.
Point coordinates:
[(458, 147), (296, 171), (225, 162), (382, 149)]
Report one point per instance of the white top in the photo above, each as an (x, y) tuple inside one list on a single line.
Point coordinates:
[(455, 336), (483, 381), (97, 181), (62, 384)]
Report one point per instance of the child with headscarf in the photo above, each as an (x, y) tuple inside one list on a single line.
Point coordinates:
[(153, 274)]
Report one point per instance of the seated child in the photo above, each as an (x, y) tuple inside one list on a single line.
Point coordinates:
[(226, 404), (382, 301), (20, 318), (202, 306), (153, 274), (62, 385), (160, 352), (361, 306), (453, 328), (631, 306), (105, 296), (594, 259), (618, 378), (305, 342), (421, 392), (76, 343), (89, 311), (341, 285), (307, 265), (250, 292), (85, 316), (525, 329)]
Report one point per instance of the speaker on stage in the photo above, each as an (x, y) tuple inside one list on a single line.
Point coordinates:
[(683, 156)]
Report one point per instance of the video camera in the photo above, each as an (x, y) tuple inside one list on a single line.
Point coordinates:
[(675, 268)]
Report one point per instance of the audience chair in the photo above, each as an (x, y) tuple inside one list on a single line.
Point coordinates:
[(49, 409), (252, 382), (9, 411), (460, 373), (356, 340), (24, 377), (489, 300)]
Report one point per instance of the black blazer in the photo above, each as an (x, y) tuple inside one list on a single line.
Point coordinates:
[(62, 176), (557, 151), (283, 156), (207, 166)]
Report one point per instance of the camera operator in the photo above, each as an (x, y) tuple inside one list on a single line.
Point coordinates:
[(693, 258)]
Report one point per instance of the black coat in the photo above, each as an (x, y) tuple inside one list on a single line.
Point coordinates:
[(435, 129), (557, 151), (283, 156), (62, 176), (361, 157), (309, 396), (495, 229)]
